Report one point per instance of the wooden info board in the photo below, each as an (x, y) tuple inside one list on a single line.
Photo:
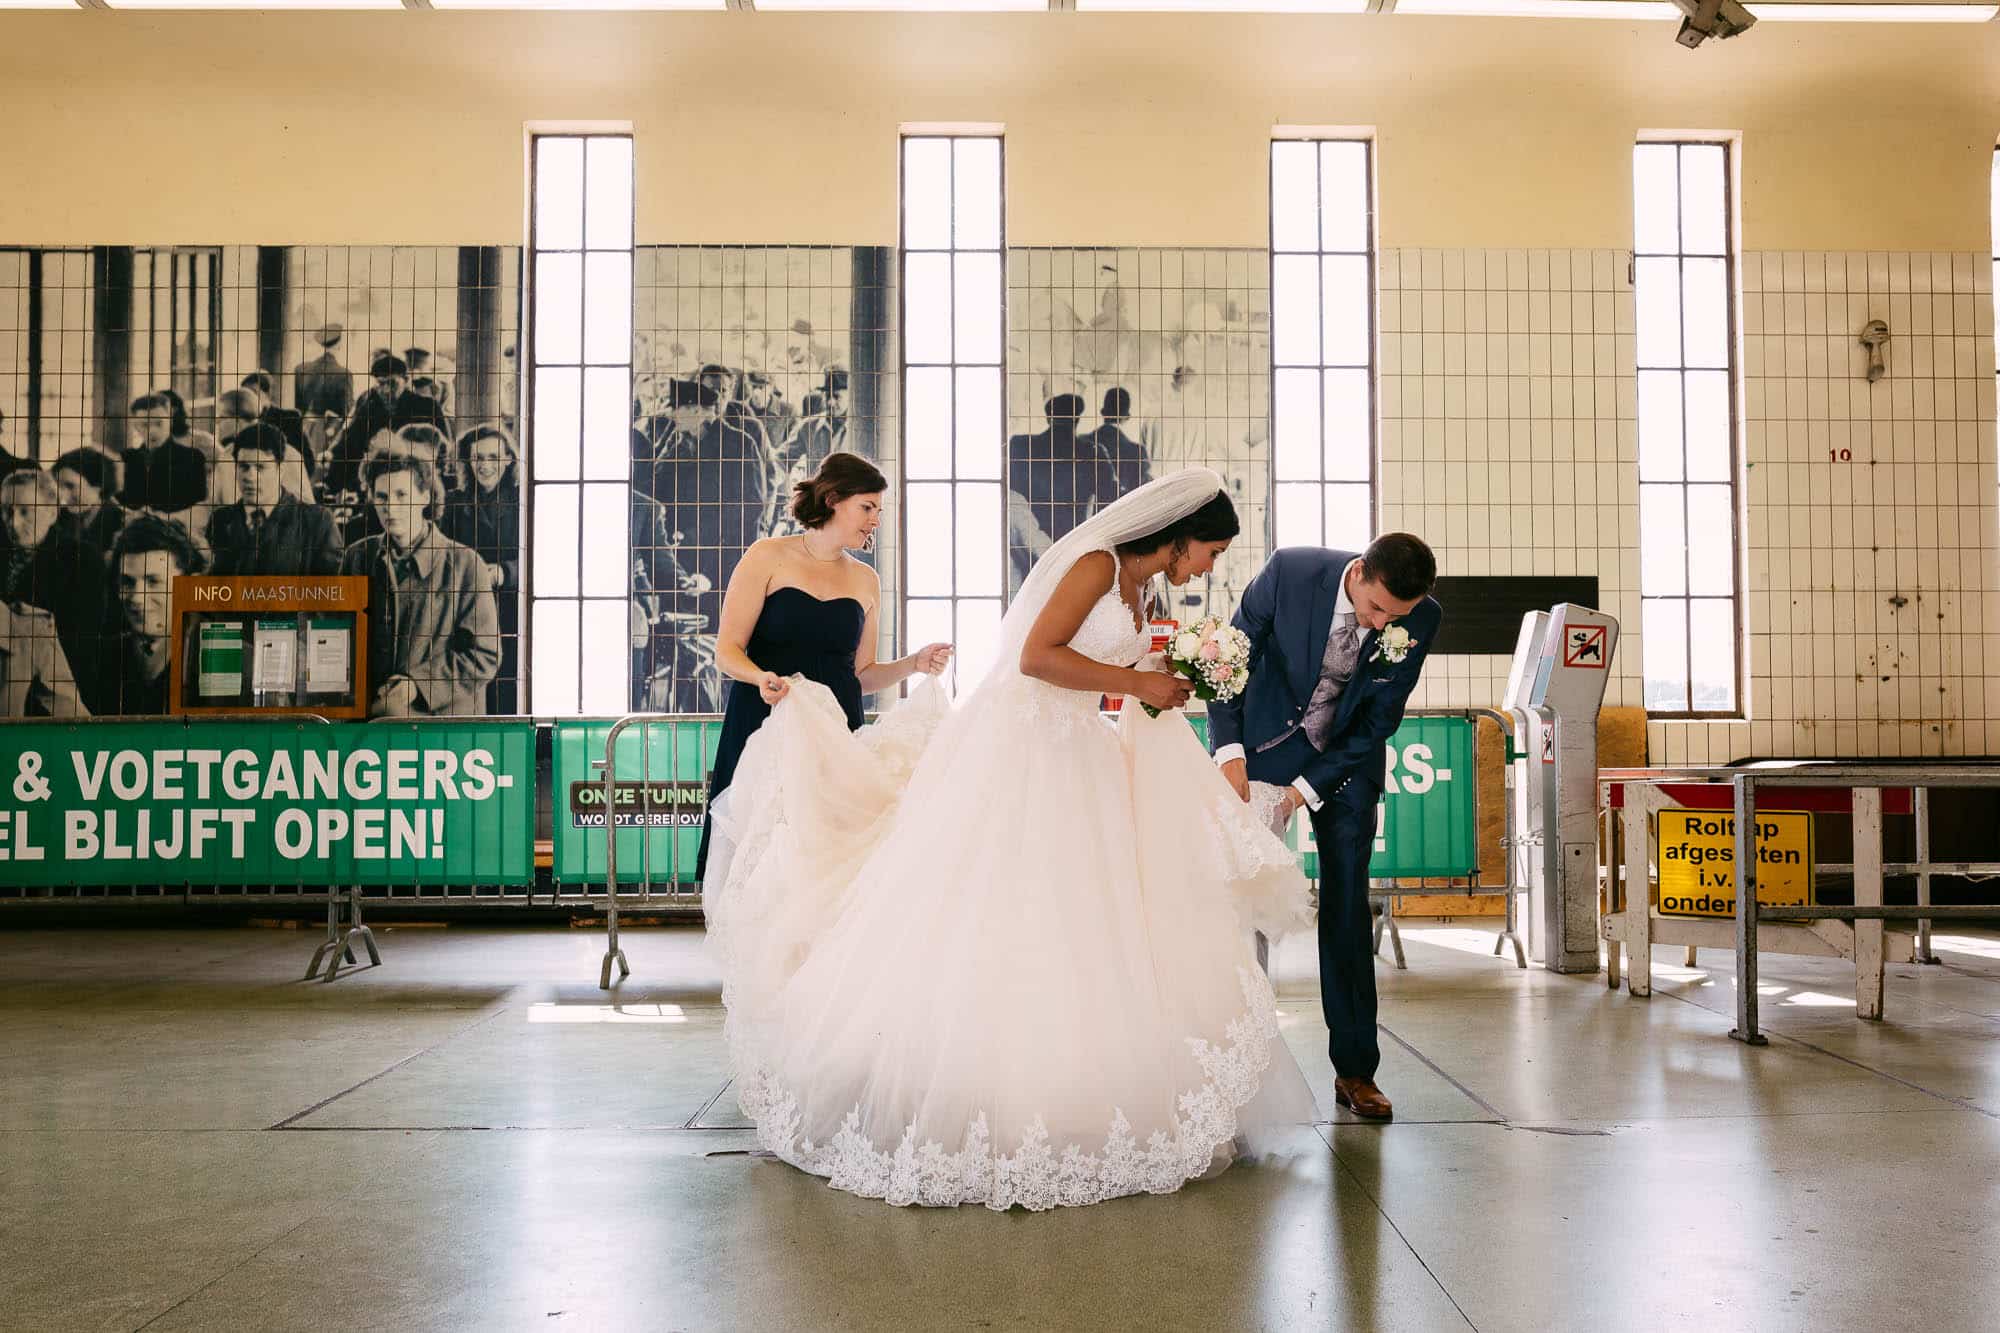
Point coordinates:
[(270, 643)]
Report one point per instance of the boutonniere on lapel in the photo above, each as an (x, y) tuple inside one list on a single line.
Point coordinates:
[(1394, 644)]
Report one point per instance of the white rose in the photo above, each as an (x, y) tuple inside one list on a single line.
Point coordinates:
[(1187, 644), (1396, 637)]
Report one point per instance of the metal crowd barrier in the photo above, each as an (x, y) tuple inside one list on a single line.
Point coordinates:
[(665, 866), (681, 894), (1863, 789), (344, 903), (1383, 893), (613, 894)]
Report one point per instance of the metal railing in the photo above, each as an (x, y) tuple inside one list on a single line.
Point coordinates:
[(1382, 893), (1865, 783), (1634, 923), (613, 893), (111, 897)]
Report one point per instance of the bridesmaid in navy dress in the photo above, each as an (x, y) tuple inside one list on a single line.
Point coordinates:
[(802, 606)]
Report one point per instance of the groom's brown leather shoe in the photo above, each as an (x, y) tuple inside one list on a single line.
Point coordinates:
[(1361, 1096)]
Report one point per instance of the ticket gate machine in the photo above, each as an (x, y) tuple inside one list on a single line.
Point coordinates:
[(1555, 687), (1524, 773)]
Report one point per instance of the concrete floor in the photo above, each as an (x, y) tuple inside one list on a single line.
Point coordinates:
[(468, 1138)]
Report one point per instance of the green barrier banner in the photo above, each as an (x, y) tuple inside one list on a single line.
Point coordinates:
[(659, 804), (1424, 827), (275, 802)]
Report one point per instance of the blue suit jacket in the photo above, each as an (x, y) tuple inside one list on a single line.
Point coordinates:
[(1287, 612)]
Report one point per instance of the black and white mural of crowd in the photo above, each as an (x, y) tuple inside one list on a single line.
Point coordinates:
[(750, 365), (1124, 365), (283, 410), (305, 410)]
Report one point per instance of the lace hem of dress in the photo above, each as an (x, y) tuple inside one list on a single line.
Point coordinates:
[(1035, 1176)]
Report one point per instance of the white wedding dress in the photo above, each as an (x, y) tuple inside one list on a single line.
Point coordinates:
[(999, 953)]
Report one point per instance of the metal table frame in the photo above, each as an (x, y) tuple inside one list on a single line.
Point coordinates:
[(1866, 783), (1791, 928)]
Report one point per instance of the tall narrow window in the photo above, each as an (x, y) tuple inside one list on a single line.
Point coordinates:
[(1682, 273), (578, 410), (1995, 213), (1322, 342), (954, 341)]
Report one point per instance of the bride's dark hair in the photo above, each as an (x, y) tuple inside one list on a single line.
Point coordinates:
[(1214, 522)]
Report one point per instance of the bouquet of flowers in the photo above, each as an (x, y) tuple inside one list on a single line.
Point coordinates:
[(1214, 655)]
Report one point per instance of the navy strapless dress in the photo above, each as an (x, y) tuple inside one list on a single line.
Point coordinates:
[(797, 634)]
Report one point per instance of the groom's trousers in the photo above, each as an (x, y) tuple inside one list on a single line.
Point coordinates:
[(1344, 828)]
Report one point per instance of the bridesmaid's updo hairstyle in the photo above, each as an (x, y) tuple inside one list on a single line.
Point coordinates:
[(840, 477), (1214, 522)]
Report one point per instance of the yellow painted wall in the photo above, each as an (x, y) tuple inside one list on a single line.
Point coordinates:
[(1122, 129)]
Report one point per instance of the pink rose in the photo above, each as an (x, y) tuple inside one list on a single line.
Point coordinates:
[(1209, 651)]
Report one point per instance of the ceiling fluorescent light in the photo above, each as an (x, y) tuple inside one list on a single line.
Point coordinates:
[(908, 6), (578, 6), (255, 4), (1817, 13), (1544, 9), (1227, 6)]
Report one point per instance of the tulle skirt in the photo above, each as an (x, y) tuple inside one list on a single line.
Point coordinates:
[(999, 954)]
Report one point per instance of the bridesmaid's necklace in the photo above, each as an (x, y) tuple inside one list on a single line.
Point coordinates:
[(806, 542)]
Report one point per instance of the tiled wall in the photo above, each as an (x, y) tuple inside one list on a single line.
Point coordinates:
[(1873, 612), (1509, 438), (1508, 420), (1509, 427), (84, 331), (799, 319), (1187, 335)]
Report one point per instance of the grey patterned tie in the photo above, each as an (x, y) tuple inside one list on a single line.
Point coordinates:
[(1343, 650)]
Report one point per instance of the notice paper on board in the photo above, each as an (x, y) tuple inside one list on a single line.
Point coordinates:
[(327, 657), (277, 656)]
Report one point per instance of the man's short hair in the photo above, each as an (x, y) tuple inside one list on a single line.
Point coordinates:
[(262, 439), (261, 381), (1402, 563), (146, 532), (426, 438), (389, 365)]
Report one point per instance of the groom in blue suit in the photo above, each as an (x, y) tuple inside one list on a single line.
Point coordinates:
[(1336, 643)]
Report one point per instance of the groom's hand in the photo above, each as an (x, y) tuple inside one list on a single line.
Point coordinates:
[(1239, 777)]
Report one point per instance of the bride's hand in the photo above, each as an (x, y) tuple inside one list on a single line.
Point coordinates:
[(933, 658), (1161, 690), (772, 687)]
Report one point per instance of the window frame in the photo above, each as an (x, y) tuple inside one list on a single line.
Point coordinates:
[(1371, 369), (954, 600), (528, 374), (1733, 370)]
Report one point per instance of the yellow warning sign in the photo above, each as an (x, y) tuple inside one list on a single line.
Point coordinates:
[(1698, 861)]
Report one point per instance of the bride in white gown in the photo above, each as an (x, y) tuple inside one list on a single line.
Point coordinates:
[(1001, 953)]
